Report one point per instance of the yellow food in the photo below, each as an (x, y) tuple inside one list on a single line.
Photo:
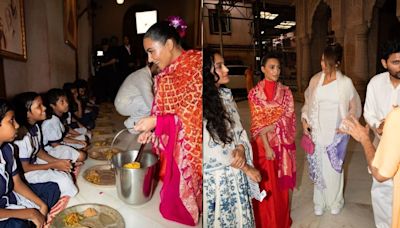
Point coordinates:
[(90, 212), (72, 219), (93, 176), (110, 152), (132, 165), (102, 143)]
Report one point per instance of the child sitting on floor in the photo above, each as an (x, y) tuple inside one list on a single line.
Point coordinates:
[(20, 205), (77, 106), (55, 133), (84, 95), (38, 165)]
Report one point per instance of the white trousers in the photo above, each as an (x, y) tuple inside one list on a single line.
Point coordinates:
[(382, 199), (332, 196)]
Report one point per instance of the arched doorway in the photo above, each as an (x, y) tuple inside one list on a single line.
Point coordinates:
[(388, 28), (321, 35), (129, 29)]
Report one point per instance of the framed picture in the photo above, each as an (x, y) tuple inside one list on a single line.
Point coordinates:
[(12, 29), (70, 23)]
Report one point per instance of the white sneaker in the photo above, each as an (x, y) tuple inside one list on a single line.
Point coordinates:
[(335, 211), (318, 211)]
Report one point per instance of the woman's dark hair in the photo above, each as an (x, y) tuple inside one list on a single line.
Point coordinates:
[(389, 48), (162, 31), (271, 55), (23, 103), (5, 107), (218, 120), (333, 55)]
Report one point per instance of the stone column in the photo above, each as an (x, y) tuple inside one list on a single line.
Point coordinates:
[(360, 77), (306, 63)]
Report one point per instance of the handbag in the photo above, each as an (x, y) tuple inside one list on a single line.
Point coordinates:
[(307, 144)]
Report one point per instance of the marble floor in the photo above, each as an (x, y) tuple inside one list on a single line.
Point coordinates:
[(356, 213)]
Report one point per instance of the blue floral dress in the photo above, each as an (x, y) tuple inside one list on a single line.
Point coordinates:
[(226, 192)]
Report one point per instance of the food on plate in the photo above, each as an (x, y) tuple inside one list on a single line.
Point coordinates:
[(90, 212), (101, 143), (110, 152), (72, 219), (93, 176)]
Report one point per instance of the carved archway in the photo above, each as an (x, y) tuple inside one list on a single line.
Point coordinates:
[(321, 33)]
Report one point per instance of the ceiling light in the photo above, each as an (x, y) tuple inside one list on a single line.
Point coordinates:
[(268, 15), (262, 32), (120, 2), (291, 23), (282, 26), (272, 16)]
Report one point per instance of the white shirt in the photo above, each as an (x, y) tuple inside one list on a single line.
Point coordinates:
[(128, 48), (135, 96), (380, 99)]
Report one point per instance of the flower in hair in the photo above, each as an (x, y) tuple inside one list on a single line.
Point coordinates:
[(179, 24)]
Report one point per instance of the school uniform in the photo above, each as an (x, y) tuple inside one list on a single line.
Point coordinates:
[(54, 132), (48, 192), (29, 146), (74, 125)]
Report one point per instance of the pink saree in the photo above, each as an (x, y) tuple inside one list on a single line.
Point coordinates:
[(178, 108)]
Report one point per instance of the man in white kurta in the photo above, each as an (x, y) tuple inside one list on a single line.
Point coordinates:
[(383, 94)]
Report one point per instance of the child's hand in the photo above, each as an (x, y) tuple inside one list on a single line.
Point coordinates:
[(252, 173), (37, 218), (44, 209), (63, 165)]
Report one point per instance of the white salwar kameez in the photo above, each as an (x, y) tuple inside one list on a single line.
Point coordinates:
[(381, 98), (331, 197), (324, 108)]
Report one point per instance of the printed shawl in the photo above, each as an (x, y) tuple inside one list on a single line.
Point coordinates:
[(280, 112), (178, 91)]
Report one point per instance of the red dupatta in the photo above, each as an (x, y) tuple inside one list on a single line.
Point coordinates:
[(179, 92), (278, 111)]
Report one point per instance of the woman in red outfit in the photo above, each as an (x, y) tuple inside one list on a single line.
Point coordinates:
[(176, 118), (273, 129)]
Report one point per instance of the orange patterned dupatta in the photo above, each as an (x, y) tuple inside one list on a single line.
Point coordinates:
[(278, 111), (179, 93)]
